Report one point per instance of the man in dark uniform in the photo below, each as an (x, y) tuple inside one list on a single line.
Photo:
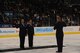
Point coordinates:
[(30, 29), (59, 33), (22, 32)]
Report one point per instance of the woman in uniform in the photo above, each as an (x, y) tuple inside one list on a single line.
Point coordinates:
[(59, 32)]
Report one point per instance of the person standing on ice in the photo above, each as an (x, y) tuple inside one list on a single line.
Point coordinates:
[(59, 32)]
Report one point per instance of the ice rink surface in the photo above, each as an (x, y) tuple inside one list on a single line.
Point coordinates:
[(42, 44)]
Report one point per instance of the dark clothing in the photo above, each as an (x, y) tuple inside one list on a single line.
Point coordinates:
[(59, 34), (30, 34), (30, 40), (22, 40), (22, 33), (23, 29)]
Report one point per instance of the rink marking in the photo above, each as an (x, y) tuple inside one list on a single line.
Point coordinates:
[(52, 34), (42, 34)]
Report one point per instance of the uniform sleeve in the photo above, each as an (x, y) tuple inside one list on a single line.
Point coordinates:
[(55, 26), (26, 27)]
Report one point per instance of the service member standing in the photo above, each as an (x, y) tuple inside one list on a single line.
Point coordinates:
[(59, 33), (30, 29), (22, 32)]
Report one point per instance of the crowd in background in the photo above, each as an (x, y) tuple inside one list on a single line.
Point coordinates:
[(41, 14)]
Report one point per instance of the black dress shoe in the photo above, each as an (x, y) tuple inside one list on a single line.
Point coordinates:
[(22, 48), (30, 46)]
